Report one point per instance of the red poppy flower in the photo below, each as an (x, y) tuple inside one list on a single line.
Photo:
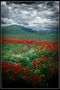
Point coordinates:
[(22, 71), (43, 65), (17, 67), (25, 78), (27, 70), (31, 75), (15, 72), (9, 78), (39, 78), (36, 78), (12, 65), (36, 62), (4, 66), (40, 67), (43, 56)]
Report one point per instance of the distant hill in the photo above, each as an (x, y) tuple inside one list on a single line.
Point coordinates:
[(16, 29), (53, 31)]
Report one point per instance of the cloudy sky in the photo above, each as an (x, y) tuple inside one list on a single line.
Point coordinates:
[(42, 15)]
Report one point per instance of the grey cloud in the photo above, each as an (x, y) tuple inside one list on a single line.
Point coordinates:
[(4, 10), (26, 14)]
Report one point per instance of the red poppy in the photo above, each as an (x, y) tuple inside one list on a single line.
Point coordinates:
[(27, 70), (43, 56), (43, 65), (12, 65), (6, 71), (36, 62), (40, 67), (22, 71), (35, 77), (17, 67), (4, 66), (9, 78), (15, 72), (39, 78), (31, 75), (47, 59), (25, 78)]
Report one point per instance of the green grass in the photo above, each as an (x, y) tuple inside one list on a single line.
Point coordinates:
[(52, 37), (11, 51), (14, 53)]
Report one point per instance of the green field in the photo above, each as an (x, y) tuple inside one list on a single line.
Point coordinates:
[(42, 64), (52, 37), (21, 61)]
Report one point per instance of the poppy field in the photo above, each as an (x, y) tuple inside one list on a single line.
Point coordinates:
[(30, 56), (29, 62)]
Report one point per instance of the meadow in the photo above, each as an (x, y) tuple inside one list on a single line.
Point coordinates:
[(48, 37), (32, 63)]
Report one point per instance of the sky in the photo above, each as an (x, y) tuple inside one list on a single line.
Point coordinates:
[(42, 15)]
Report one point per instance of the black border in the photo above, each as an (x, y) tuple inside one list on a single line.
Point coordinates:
[(1, 42)]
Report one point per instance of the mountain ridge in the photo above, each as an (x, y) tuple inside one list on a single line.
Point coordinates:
[(16, 29)]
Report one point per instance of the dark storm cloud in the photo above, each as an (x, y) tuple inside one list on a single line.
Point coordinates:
[(36, 15)]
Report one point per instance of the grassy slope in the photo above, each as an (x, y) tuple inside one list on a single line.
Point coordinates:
[(15, 31)]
